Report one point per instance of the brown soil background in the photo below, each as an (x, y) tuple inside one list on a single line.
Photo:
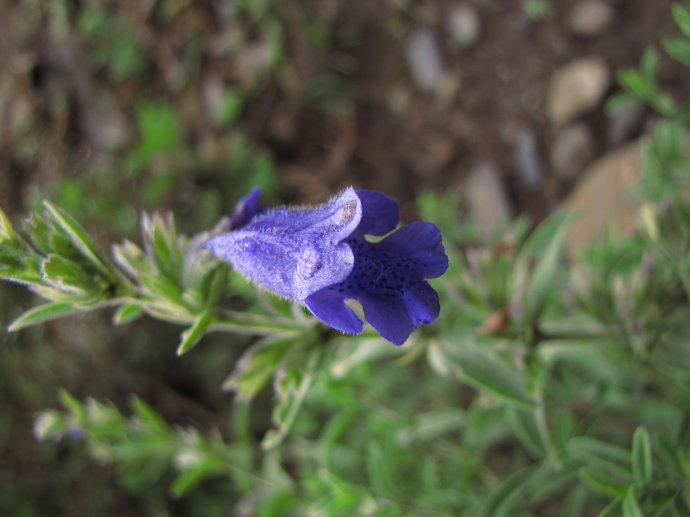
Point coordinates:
[(378, 131)]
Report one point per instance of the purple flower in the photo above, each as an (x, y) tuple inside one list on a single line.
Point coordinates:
[(320, 256), (245, 209)]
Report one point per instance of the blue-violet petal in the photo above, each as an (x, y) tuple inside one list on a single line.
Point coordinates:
[(388, 279), (246, 209), (380, 214)]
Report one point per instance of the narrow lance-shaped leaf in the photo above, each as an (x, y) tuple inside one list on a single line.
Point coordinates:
[(191, 477), (353, 353), (380, 465), (679, 49), (78, 237), (248, 323), (6, 230), (486, 371), (649, 63), (501, 503), (547, 266), (612, 510), (193, 334), (292, 384), (72, 405), (527, 428), (601, 483), (146, 414), (43, 313), (542, 253), (127, 313), (591, 450), (641, 457), (682, 16), (257, 365), (631, 507)]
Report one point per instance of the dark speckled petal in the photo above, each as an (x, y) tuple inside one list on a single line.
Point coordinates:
[(392, 320), (420, 242), (388, 279)]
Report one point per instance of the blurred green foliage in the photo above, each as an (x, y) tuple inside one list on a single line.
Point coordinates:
[(114, 42)]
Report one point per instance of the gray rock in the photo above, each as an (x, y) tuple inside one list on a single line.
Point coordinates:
[(464, 26), (572, 150), (487, 201), (623, 124), (424, 60), (577, 88), (527, 159), (602, 197), (591, 18)]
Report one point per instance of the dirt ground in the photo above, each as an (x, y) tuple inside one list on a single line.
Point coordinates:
[(498, 87), (344, 111)]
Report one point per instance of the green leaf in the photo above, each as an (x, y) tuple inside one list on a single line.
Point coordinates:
[(127, 314), (612, 510), (65, 275), (151, 420), (230, 106), (293, 380), (649, 64), (682, 16), (549, 261), (592, 450), (485, 370), (352, 354), (165, 291), (438, 359), (336, 427), (159, 132), (279, 503), (635, 83), (248, 323), (380, 462), (78, 236), (679, 49), (601, 483), (502, 501), (673, 456), (538, 265), (131, 259), (163, 246), (430, 426), (191, 477), (211, 283), (641, 457), (525, 424), (552, 478), (72, 405), (257, 365), (6, 229), (43, 313), (193, 334), (630, 506)]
